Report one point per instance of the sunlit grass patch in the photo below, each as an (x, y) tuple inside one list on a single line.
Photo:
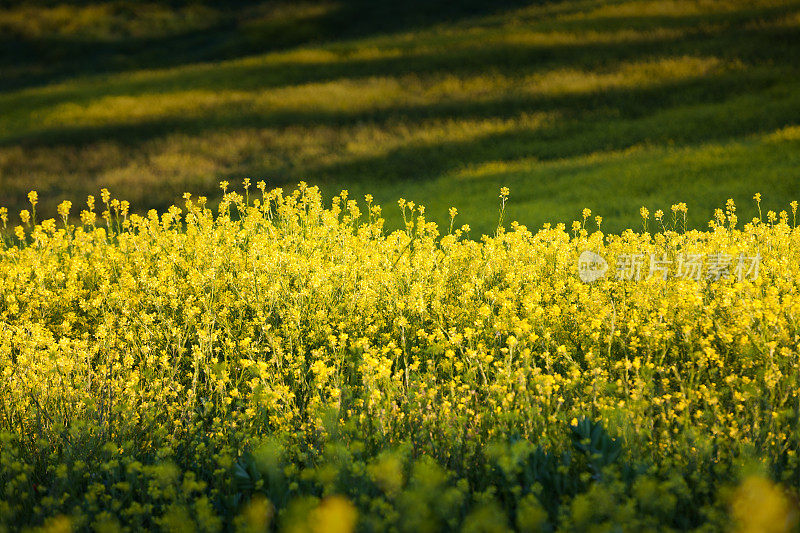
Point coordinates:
[(789, 133), (626, 75), (674, 8)]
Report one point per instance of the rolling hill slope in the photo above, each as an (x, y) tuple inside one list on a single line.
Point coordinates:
[(603, 104)]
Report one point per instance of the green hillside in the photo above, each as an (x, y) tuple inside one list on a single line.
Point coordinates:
[(603, 104)]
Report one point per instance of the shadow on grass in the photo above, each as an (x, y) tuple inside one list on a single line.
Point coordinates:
[(668, 125), (692, 110), (582, 108), (677, 124), (777, 46), (30, 61)]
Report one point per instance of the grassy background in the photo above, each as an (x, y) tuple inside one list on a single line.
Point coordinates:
[(603, 104)]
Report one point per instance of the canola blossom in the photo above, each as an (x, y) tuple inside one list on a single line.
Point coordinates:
[(282, 363)]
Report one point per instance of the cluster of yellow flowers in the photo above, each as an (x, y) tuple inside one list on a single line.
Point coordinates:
[(280, 363)]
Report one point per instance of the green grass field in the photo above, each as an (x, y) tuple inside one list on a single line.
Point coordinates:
[(603, 104)]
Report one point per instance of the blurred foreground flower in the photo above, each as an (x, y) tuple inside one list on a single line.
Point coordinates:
[(759, 506)]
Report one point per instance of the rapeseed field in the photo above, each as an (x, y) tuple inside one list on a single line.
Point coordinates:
[(283, 363)]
